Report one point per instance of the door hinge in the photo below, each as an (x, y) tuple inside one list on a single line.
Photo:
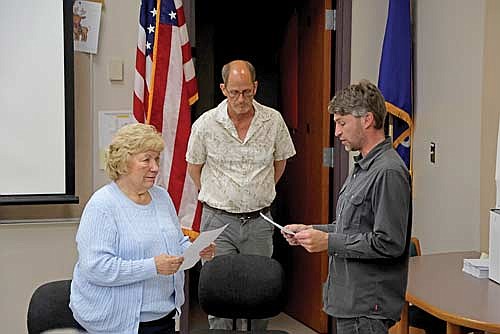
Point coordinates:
[(331, 19), (328, 156)]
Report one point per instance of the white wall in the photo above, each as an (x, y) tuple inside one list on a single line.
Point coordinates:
[(118, 39), (368, 27), (449, 74), (30, 255), (449, 57)]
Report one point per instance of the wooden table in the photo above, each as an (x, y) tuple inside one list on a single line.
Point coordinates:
[(437, 285)]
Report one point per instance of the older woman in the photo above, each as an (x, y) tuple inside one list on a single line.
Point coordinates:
[(130, 243)]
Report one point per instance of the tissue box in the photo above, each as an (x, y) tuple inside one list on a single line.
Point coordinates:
[(494, 256)]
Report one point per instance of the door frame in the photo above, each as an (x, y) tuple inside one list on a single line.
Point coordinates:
[(341, 74)]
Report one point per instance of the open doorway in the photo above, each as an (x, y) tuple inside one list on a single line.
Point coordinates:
[(254, 32), (294, 56)]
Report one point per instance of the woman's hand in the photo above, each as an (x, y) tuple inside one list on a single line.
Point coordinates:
[(167, 264), (208, 253)]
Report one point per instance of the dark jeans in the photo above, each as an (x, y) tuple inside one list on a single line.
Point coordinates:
[(363, 325), (165, 325)]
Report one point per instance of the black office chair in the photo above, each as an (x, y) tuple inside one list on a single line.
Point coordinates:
[(48, 308), (241, 287)]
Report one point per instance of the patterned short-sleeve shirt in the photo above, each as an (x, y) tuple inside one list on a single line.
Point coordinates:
[(238, 175)]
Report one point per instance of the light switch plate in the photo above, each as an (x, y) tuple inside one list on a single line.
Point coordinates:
[(115, 69)]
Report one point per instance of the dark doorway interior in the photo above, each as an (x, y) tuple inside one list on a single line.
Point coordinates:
[(228, 30), (255, 32)]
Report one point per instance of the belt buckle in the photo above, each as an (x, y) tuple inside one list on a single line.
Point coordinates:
[(244, 217)]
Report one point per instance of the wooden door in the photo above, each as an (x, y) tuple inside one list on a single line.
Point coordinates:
[(307, 181)]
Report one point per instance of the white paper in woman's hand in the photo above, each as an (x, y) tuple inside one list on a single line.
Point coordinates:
[(192, 253)]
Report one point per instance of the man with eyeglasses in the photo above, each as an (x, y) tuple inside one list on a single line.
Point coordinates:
[(236, 154)]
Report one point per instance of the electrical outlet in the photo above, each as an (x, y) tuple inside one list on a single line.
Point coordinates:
[(433, 152)]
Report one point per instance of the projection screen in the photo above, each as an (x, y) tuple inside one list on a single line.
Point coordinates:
[(36, 102)]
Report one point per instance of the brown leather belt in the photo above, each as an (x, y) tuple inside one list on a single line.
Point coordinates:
[(240, 215)]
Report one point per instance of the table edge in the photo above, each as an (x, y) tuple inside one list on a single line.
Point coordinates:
[(451, 318)]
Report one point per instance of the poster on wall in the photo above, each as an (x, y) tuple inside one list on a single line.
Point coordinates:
[(86, 21), (109, 122)]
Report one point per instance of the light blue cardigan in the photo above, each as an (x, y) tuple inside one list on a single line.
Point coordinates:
[(115, 276)]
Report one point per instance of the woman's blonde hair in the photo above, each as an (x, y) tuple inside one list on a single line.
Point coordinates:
[(129, 140)]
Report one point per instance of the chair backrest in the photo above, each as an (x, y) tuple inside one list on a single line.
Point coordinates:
[(242, 286), (415, 247), (49, 308)]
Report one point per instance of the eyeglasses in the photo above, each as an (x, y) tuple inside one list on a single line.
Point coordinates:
[(234, 94)]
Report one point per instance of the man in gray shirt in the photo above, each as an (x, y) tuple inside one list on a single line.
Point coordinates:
[(369, 240)]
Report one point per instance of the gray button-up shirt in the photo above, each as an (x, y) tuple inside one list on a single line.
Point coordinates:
[(368, 243)]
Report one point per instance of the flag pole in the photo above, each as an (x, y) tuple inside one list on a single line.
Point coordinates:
[(153, 70)]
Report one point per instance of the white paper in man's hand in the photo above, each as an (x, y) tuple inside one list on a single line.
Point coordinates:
[(287, 231), (192, 253)]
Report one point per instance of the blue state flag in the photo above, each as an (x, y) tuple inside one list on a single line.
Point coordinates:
[(395, 75)]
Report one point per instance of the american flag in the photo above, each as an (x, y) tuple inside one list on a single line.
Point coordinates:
[(164, 89)]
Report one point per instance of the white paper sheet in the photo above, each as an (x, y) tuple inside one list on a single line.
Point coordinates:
[(192, 254), (276, 224), (109, 122)]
